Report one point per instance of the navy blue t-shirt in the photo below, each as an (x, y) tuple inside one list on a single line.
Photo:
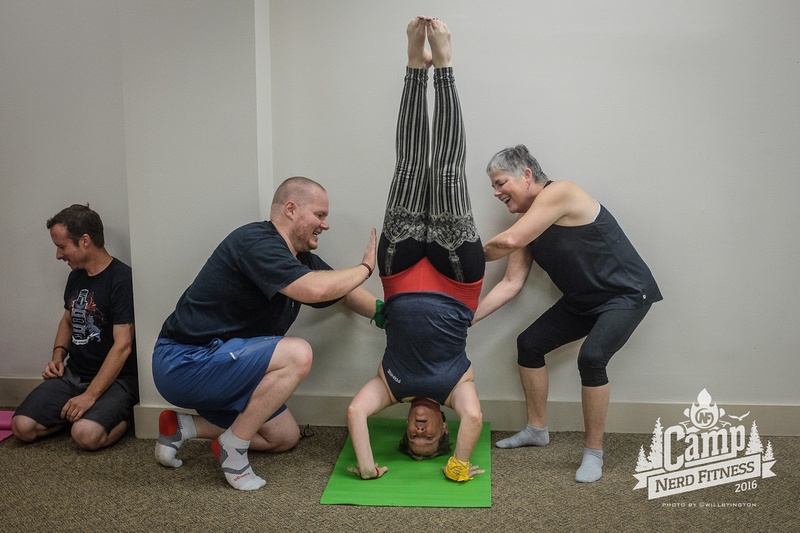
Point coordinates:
[(426, 339), (97, 303), (235, 295)]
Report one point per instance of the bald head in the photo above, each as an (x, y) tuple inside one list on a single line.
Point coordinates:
[(296, 189)]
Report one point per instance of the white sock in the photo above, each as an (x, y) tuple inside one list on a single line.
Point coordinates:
[(591, 468), (173, 430), (232, 454), (530, 436)]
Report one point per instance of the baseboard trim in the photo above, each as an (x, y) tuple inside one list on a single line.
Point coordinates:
[(14, 390), (504, 415), (509, 415)]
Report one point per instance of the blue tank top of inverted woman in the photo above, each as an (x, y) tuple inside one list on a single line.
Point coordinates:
[(426, 337)]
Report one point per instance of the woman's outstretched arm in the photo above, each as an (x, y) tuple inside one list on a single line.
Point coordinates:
[(373, 397)]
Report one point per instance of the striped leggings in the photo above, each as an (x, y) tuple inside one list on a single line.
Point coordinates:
[(428, 212)]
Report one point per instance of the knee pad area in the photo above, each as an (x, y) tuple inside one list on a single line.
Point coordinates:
[(527, 354), (592, 367)]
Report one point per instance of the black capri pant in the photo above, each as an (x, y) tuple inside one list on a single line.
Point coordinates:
[(605, 334)]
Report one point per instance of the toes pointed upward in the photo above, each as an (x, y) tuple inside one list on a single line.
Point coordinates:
[(438, 34), (418, 55)]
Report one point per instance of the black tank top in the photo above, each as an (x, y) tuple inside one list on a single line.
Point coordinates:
[(595, 266)]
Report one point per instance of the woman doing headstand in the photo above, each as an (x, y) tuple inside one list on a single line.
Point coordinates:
[(431, 263)]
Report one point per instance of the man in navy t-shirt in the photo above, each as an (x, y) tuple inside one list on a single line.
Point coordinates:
[(91, 379), (223, 352)]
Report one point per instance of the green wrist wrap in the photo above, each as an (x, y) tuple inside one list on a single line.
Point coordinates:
[(378, 317)]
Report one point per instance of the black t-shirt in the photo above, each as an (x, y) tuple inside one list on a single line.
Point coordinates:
[(96, 303), (235, 295)]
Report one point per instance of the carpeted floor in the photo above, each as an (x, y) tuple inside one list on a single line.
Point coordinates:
[(53, 486)]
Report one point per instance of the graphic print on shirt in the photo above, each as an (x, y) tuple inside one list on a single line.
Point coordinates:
[(86, 319)]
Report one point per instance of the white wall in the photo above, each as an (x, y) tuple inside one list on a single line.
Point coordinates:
[(190, 127), (681, 117), (61, 142)]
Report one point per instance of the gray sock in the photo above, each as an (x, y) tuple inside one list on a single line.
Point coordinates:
[(530, 436), (591, 468)]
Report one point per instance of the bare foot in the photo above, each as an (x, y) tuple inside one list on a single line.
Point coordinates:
[(439, 39), (418, 55)]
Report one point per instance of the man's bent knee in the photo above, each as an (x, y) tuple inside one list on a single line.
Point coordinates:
[(280, 433), (296, 353), (24, 428), (285, 441), (88, 435)]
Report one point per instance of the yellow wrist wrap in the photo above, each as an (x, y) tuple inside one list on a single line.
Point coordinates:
[(457, 470)]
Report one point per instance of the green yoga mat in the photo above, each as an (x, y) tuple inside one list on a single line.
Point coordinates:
[(408, 483)]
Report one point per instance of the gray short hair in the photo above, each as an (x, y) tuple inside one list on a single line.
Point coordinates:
[(515, 160)]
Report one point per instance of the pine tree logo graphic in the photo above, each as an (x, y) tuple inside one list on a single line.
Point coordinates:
[(710, 448)]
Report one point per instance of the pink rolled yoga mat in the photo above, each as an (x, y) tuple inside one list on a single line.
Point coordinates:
[(5, 424)]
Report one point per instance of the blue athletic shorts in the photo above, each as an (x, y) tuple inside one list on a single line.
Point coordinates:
[(217, 379)]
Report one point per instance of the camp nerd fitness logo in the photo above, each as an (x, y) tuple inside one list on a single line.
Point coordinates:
[(703, 452)]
